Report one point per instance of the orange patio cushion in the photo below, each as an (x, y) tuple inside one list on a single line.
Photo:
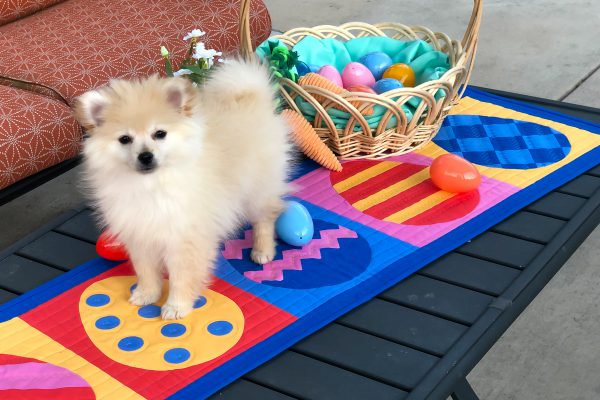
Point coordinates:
[(36, 132), (79, 44), (12, 10)]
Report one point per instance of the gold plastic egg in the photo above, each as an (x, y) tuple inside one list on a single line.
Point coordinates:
[(401, 72)]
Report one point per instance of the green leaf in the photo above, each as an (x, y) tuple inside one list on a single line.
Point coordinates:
[(168, 68), (194, 68)]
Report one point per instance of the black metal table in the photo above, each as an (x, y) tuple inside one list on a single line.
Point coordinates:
[(417, 340)]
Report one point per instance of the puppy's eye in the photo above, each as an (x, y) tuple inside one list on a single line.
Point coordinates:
[(125, 139), (159, 134)]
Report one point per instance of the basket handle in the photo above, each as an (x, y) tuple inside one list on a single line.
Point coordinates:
[(246, 49), (469, 41)]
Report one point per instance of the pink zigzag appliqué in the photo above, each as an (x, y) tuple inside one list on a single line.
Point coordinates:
[(234, 248), (292, 259)]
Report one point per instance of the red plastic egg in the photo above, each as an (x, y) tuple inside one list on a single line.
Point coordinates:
[(361, 88), (454, 174), (110, 248)]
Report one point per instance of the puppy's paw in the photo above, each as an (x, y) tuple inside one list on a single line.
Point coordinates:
[(174, 311), (141, 297), (263, 256)]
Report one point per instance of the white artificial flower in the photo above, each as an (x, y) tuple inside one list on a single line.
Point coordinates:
[(164, 52), (208, 54), (182, 71), (194, 34)]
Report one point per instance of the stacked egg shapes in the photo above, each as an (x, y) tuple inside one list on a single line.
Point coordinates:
[(374, 72)]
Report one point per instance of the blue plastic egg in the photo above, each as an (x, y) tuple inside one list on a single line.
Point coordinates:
[(377, 62), (302, 68), (295, 225), (314, 68), (386, 84)]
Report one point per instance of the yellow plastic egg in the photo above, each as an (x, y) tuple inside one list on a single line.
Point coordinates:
[(401, 72)]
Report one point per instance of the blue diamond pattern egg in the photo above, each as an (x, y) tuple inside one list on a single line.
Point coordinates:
[(387, 84), (377, 62), (295, 225)]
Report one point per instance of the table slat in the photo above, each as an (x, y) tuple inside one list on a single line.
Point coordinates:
[(530, 226), (406, 326), (308, 378), (472, 273), (81, 226), (502, 249), (439, 298), (59, 251), (6, 296), (368, 355), (583, 186), (242, 389), (595, 171), (20, 275), (557, 205)]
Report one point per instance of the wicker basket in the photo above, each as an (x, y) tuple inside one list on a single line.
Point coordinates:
[(379, 142)]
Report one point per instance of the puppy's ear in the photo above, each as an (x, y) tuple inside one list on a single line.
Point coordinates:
[(89, 109), (181, 95)]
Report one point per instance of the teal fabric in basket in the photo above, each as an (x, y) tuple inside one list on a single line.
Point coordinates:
[(427, 63)]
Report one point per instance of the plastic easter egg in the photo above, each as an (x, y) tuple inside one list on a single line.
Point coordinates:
[(108, 247), (377, 62), (361, 88), (295, 225), (314, 68), (302, 68), (402, 72), (454, 174), (357, 74), (386, 84), (331, 73)]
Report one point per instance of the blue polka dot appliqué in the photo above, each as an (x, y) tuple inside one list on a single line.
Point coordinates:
[(200, 301), (335, 255), (131, 343), (97, 300), (220, 328), (502, 143), (149, 311), (177, 355), (173, 330), (108, 322)]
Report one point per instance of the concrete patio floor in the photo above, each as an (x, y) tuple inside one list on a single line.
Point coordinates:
[(545, 48)]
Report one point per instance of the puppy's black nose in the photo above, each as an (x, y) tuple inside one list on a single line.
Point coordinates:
[(145, 158)]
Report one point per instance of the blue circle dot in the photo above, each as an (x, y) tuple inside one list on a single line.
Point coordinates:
[(220, 328), (131, 343), (132, 288), (176, 355), (173, 330), (97, 300), (108, 322), (200, 301), (149, 311)]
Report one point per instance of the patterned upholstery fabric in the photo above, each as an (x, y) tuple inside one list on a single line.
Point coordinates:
[(35, 132), (78, 44), (12, 10), (58, 53)]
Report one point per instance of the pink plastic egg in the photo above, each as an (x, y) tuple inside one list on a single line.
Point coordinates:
[(331, 73), (361, 88), (355, 74), (454, 174)]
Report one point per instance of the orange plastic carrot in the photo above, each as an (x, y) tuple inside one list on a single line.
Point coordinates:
[(309, 142), (312, 79)]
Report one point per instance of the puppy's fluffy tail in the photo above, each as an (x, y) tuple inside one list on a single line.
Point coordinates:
[(241, 83)]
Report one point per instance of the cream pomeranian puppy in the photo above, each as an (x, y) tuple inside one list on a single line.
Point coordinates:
[(174, 170)]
